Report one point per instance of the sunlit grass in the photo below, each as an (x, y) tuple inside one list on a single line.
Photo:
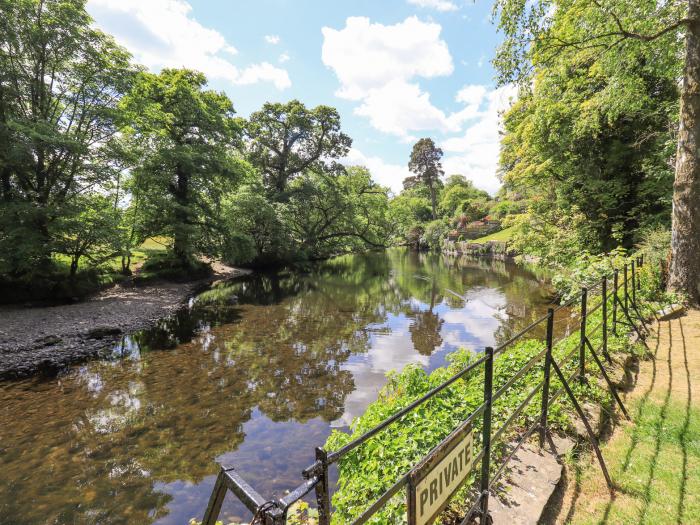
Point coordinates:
[(503, 235)]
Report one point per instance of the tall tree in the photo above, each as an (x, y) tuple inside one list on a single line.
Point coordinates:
[(184, 134), (611, 25), (425, 163), (60, 84), (288, 139)]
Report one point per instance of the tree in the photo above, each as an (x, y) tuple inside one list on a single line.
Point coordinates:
[(460, 196), (288, 139), (254, 230), (88, 230), (330, 215), (184, 134), (60, 85), (612, 26), (425, 163)]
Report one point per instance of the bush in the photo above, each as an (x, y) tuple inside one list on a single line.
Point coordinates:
[(434, 234)]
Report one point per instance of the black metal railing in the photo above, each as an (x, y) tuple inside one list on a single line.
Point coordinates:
[(625, 311)]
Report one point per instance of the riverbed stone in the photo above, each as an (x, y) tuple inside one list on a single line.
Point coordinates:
[(101, 332)]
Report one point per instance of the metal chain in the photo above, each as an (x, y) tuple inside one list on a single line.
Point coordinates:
[(259, 514)]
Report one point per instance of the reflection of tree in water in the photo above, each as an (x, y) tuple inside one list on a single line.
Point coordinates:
[(99, 439), (92, 446)]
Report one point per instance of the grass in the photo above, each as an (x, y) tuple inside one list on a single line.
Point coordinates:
[(504, 236), (654, 460)]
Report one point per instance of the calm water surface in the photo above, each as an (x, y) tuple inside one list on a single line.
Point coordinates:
[(255, 373)]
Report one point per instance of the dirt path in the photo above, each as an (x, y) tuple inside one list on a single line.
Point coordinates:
[(47, 339), (655, 459)]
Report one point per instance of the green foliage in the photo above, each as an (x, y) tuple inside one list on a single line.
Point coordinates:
[(330, 215), (59, 90), (287, 140), (425, 164), (588, 142), (183, 134), (434, 234), (254, 228), (87, 229)]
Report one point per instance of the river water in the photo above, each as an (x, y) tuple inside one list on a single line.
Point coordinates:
[(254, 373)]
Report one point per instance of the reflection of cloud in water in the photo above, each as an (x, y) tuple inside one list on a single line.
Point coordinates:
[(392, 351)]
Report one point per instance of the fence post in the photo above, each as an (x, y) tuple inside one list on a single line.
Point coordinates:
[(547, 371), (604, 292), (634, 284), (582, 347), (486, 439), (322, 492), (615, 285), (626, 291)]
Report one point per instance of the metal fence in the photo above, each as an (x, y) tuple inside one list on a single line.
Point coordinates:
[(619, 308)]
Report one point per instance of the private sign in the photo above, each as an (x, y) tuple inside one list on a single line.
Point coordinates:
[(435, 479)]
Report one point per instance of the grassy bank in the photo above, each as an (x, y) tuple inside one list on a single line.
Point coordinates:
[(655, 459)]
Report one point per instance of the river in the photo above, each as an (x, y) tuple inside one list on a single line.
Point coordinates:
[(254, 373)]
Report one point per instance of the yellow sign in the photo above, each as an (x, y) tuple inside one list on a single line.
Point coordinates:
[(438, 476)]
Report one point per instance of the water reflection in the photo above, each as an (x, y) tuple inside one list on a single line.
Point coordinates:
[(255, 373)]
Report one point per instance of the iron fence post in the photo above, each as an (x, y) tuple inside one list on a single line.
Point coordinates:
[(604, 292), (486, 435), (547, 371), (634, 284), (322, 492), (625, 290), (582, 344), (615, 286)]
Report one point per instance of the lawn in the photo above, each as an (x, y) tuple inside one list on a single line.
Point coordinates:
[(655, 459), (503, 236)]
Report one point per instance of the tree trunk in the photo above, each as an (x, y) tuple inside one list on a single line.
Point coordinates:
[(181, 241), (684, 273)]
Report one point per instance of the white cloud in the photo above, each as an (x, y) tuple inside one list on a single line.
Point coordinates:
[(163, 33), (440, 5), (284, 57), (400, 107), (475, 153), (366, 56), (272, 39), (376, 65), (471, 94), (386, 174)]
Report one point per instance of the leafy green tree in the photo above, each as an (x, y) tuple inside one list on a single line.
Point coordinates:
[(88, 230), (425, 164), (457, 196), (288, 139), (254, 230), (60, 85), (539, 32), (184, 134), (330, 215)]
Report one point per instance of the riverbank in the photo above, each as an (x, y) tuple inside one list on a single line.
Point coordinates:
[(45, 340)]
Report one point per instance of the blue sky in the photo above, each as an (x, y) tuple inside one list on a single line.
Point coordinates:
[(397, 70)]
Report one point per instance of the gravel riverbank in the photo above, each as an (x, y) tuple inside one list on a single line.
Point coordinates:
[(45, 340)]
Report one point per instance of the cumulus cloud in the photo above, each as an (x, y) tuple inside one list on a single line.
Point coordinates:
[(284, 57), (440, 5), (163, 33), (384, 173), (366, 56), (377, 64), (272, 39), (475, 152)]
